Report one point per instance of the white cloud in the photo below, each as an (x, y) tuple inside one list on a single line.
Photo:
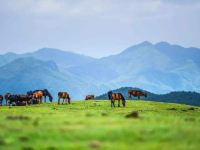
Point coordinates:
[(97, 24)]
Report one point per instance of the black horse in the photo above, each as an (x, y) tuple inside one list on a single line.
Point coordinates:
[(116, 96), (45, 93), (19, 99)]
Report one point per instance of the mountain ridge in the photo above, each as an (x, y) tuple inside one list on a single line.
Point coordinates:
[(160, 68)]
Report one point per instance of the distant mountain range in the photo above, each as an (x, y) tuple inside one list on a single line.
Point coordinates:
[(182, 97), (159, 68)]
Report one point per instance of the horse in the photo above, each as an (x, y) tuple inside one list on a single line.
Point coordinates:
[(64, 96), (1, 100), (136, 93), (45, 93), (6, 97), (11, 99), (23, 99), (116, 96), (89, 97), (38, 95), (19, 99)]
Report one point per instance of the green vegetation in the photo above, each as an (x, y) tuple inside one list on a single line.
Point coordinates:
[(95, 125)]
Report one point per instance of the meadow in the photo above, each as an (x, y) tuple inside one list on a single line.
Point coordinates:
[(142, 125)]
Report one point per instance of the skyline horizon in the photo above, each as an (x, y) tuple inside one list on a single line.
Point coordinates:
[(96, 57)]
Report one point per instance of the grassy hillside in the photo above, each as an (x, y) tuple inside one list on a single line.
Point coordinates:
[(95, 125)]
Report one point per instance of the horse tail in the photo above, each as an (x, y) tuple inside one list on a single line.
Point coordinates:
[(123, 100), (122, 97)]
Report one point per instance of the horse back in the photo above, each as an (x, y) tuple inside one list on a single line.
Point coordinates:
[(63, 94)]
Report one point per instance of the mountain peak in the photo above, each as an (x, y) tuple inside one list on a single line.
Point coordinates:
[(162, 44), (46, 50), (145, 43)]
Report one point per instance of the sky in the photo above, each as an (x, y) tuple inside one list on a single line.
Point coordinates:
[(96, 27)]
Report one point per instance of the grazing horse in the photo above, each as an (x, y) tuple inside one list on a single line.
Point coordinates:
[(89, 97), (11, 99), (6, 96), (38, 95), (1, 100), (116, 96), (45, 93), (136, 93), (64, 96), (22, 99)]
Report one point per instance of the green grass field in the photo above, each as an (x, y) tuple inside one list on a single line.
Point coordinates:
[(95, 125)]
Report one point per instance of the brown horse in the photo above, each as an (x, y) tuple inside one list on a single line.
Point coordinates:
[(136, 93), (45, 94), (64, 96), (89, 97), (116, 96), (1, 100), (38, 95)]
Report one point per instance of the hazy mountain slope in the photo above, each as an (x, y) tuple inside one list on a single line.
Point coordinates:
[(160, 68), (24, 74), (64, 59), (8, 57)]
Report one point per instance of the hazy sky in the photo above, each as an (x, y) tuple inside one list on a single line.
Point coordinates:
[(96, 27)]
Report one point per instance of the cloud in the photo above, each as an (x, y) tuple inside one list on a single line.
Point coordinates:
[(181, 2), (96, 24)]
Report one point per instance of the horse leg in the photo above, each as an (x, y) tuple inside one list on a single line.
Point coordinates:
[(114, 103), (69, 101), (45, 99), (59, 100), (118, 103), (130, 96), (63, 100)]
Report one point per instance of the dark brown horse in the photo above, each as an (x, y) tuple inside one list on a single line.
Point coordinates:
[(23, 99), (136, 93), (65, 96), (18, 99), (1, 100), (89, 97), (116, 96)]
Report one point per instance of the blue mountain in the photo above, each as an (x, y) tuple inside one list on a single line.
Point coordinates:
[(159, 68), (25, 74)]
